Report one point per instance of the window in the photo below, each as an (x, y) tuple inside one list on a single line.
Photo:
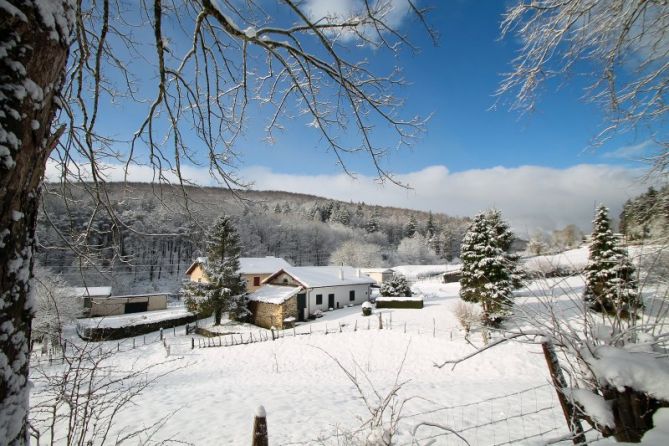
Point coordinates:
[(351, 295), (285, 280), (256, 281), (319, 299)]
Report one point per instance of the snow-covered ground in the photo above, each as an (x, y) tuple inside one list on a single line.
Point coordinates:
[(417, 272), (129, 320), (500, 397)]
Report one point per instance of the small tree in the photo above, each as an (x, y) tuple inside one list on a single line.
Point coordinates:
[(397, 286), (610, 286), (490, 272), (54, 308), (224, 288)]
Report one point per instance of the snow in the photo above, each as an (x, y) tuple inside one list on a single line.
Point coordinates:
[(502, 396), (129, 320), (91, 291), (645, 372), (251, 32), (274, 294), (399, 299), (260, 265), (415, 272), (322, 276), (260, 412), (593, 405)]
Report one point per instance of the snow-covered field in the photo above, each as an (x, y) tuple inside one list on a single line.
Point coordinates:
[(500, 397)]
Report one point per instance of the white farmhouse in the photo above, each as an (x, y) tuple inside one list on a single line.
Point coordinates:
[(314, 288)]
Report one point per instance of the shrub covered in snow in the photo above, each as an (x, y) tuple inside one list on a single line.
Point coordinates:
[(366, 309), (397, 286)]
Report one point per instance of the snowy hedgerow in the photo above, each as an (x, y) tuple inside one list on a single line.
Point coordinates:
[(397, 286), (490, 272), (611, 285), (225, 287)]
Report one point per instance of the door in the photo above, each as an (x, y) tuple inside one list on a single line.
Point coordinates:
[(136, 307), (331, 303), (301, 306)]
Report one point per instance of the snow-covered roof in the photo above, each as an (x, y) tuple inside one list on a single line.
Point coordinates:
[(322, 276), (259, 265), (274, 294), (376, 270), (250, 265), (91, 291)]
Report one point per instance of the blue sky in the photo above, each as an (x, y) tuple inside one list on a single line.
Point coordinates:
[(538, 168), (455, 82)]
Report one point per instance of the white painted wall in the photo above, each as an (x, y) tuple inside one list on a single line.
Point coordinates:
[(341, 293)]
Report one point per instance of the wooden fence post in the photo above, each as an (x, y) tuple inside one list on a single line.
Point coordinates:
[(161, 333), (560, 385), (380, 322), (260, 437), (192, 343)]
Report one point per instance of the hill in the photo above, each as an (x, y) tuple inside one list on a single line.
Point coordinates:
[(146, 239)]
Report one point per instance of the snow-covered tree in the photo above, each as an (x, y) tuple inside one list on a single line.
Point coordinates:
[(489, 271), (411, 227), (54, 308), (415, 251), (357, 254), (225, 287), (611, 284), (397, 286), (372, 224), (538, 243), (430, 227)]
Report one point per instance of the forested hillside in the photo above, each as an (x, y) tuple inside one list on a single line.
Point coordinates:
[(646, 216), (149, 237)]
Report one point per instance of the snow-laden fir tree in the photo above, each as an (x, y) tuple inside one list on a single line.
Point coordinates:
[(411, 227), (490, 272), (397, 286), (225, 287), (611, 285)]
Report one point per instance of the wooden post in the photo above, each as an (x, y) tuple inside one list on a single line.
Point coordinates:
[(220, 343), (133, 343), (340, 327), (560, 385), (355, 327), (405, 328), (380, 322), (161, 333), (368, 323), (118, 346), (192, 343), (144, 339), (260, 437)]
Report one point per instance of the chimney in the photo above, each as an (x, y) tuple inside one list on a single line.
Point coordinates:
[(341, 273)]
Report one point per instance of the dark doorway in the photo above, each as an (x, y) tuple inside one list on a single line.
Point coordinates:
[(331, 303), (301, 305), (136, 307)]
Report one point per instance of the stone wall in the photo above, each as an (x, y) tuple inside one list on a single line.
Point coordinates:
[(268, 315)]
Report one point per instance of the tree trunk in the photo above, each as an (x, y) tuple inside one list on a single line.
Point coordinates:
[(32, 68)]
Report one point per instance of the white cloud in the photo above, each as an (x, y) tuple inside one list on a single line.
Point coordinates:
[(530, 197), (633, 152), (392, 11)]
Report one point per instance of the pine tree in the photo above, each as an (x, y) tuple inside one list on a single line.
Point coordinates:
[(373, 223), (225, 288), (610, 283), (490, 272), (430, 228), (410, 229)]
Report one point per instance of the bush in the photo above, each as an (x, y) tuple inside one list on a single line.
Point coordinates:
[(397, 286), (367, 309), (467, 315), (399, 303)]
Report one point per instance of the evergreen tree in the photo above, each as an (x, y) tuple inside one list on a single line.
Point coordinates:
[(224, 288), (410, 229), (430, 228), (610, 283), (490, 272), (397, 286), (373, 223)]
